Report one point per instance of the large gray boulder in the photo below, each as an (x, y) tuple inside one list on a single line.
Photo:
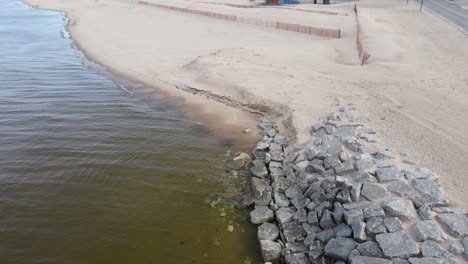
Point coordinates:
[(373, 192), (456, 224), (375, 226), (267, 231), (284, 215), (339, 248), (359, 231), (370, 249), (271, 251), (369, 260), (401, 208), (261, 214), (418, 173), (296, 258), (342, 230), (425, 261), (456, 248), (428, 188), (430, 248), (293, 232), (400, 188), (388, 174), (393, 224), (425, 230), (465, 246), (259, 171), (353, 216), (397, 245)]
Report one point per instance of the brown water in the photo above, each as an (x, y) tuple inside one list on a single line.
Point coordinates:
[(99, 170)]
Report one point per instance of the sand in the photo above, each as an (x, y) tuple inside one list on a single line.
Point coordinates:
[(414, 91)]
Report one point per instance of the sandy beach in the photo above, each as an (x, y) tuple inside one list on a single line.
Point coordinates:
[(413, 91)]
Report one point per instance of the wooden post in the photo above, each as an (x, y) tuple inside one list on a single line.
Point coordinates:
[(420, 8)]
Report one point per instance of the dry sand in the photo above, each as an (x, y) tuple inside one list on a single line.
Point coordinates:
[(414, 91)]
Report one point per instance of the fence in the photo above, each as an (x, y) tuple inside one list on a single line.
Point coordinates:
[(323, 32)]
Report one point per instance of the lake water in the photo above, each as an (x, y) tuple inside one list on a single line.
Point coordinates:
[(99, 170)]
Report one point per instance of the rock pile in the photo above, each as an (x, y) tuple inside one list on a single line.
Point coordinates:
[(338, 198)]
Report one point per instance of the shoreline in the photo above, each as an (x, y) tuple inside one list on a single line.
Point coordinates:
[(414, 103)]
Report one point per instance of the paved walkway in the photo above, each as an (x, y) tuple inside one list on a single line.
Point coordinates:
[(449, 10)]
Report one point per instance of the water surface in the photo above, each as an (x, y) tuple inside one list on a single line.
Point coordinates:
[(93, 170)]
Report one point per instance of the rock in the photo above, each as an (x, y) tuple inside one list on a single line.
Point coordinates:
[(425, 261), (276, 155), (428, 188), (271, 251), (370, 249), (277, 172), (353, 216), (312, 218), (267, 231), (358, 205), (284, 215), (326, 221), (354, 253), (300, 215), (383, 154), (355, 191), (258, 185), (271, 132), (397, 244), (369, 260), (400, 188), (401, 208), (449, 210), (359, 231), (363, 164), (456, 248), (385, 163), (325, 235), (418, 173), (315, 166), (261, 214), (465, 246), (296, 247), (393, 224), (281, 200), (265, 199), (373, 192), (344, 168), (293, 232), (371, 212), (315, 251), (388, 174), (259, 171), (430, 248), (297, 258), (428, 229), (338, 212), (280, 184), (331, 162), (424, 212), (344, 196), (344, 132), (309, 238), (399, 261), (343, 230), (410, 162), (339, 248), (456, 224), (375, 226), (293, 192)]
